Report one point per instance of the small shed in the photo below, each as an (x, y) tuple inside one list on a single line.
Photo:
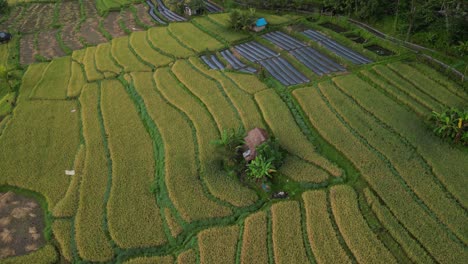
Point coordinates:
[(260, 24), (254, 138)]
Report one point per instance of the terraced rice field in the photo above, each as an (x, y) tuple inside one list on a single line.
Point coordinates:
[(134, 118)]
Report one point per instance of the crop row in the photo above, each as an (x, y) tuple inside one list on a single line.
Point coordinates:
[(302, 171), (217, 30), (193, 37), (247, 82), (425, 84), (336, 48), (133, 215), (242, 101), (278, 67), (143, 49), (411, 246), (91, 240), (406, 87), (447, 167), (77, 80), (322, 236), (37, 123), (104, 61), (125, 57), (314, 60), (212, 104), (379, 176), (399, 95), (360, 239), (89, 62), (68, 205), (282, 123), (218, 244), (288, 245), (167, 13), (410, 167), (160, 38), (254, 239), (212, 62), (183, 182), (235, 63), (153, 13), (187, 257), (54, 81), (62, 230), (441, 79)]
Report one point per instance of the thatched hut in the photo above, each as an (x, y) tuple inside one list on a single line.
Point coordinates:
[(254, 138)]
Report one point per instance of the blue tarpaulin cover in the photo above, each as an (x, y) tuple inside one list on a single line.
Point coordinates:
[(261, 22)]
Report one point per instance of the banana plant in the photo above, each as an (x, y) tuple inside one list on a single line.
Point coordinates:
[(260, 167)]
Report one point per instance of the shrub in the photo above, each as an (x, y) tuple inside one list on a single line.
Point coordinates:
[(451, 123), (241, 20)]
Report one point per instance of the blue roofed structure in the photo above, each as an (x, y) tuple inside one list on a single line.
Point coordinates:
[(261, 22)]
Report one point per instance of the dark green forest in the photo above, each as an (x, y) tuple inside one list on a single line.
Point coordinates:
[(439, 24)]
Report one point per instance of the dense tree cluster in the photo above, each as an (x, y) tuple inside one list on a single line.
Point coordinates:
[(412, 16), (3, 6), (438, 23)]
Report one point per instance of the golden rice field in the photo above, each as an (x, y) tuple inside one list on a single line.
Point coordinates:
[(134, 118)]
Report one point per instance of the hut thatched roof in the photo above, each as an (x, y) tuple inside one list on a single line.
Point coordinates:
[(254, 138)]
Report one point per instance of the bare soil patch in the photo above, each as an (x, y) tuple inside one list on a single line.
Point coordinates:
[(111, 25), (142, 12), (37, 17), (27, 50), (16, 13), (48, 45), (130, 21), (21, 225), (89, 31)]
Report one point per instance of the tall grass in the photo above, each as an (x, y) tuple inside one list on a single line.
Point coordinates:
[(151, 260)]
